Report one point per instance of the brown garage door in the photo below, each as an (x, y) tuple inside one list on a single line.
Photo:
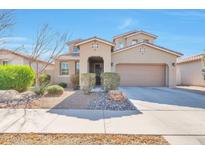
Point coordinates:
[(141, 75)]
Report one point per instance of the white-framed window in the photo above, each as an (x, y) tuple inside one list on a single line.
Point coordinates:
[(5, 62), (75, 50), (134, 42), (146, 40), (64, 68), (120, 45)]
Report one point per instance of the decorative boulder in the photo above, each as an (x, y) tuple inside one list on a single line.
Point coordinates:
[(116, 95), (7, 95)]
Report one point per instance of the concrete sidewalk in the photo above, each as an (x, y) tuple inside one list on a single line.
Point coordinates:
[(174, 125)]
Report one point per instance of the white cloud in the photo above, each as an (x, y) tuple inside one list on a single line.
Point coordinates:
[(14, 39), (187, 13), (127, 23)]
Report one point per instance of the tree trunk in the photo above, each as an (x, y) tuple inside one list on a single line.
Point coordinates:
[(37, 75)]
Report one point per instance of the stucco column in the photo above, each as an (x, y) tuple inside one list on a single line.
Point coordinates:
[(172, 75), (107, 64), (83, 67), (113, 67)]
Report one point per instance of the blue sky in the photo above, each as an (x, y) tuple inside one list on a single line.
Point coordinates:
[(179, 30)]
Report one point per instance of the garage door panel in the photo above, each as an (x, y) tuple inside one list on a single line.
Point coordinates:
[(141, 74)]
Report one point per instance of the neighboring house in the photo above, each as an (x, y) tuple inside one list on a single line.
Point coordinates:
[(17, 58), (189, 71), (133, 55)]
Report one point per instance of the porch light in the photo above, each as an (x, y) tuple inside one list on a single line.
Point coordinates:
[(173, 64)]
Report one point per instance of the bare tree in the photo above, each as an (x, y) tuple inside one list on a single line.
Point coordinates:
[(6, 22), (49, 43)]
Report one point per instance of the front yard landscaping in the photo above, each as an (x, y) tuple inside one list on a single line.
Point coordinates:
[(70, 100), (76, 139), (19, 93), (103, 102)]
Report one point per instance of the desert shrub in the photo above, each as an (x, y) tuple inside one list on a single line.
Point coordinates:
[(40, 90), (75, 81), (63, 84), (87, 82), (44, 79), (55, 90), (110, 80), (16, 77), (203, 64)]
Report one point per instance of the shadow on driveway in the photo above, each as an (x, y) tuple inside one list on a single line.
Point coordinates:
[(81, 106), (94, 114)]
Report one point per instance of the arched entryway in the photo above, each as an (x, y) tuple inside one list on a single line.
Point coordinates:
[(96, 65)]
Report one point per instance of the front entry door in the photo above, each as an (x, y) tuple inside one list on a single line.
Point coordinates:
[(98, 70)]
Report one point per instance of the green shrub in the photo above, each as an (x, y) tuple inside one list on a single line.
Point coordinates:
[(16, 77), (55, 90), (63, 84), (75, 81), (203, 64), (110, 80), (44, 79), (40, 90), (87, 82)]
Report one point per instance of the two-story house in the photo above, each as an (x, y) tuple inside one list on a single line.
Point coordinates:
[(134, 55)]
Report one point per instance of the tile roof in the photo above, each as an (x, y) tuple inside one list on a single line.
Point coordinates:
[(21, 55), (94, 38), (150, 44), (190, 58), (133, 32)]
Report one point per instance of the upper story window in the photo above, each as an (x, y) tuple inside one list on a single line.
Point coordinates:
[(134, 42), (146, 40), (64, 68), (120, 45), (5, 62), (75, 50)]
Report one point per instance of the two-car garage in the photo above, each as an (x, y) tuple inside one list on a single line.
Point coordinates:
[(146, 75), (145, 65)]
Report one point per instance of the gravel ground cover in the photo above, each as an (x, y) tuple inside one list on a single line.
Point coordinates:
[(12, 98), (104, 103), (79, 139), (69, 100)]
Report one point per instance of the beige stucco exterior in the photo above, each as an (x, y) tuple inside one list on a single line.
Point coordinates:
[(15, 58), (149, 56), (146, 75), (64, 78), (190, 73), (103, 51), (11, 58), (141, 54), (128, 40), (96, 52)]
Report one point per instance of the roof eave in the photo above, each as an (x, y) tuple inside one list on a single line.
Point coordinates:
[(134, 33), (94, 39), (169, 51)]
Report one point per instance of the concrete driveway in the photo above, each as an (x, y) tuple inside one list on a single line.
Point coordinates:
[(176, 114), (148, 98)]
